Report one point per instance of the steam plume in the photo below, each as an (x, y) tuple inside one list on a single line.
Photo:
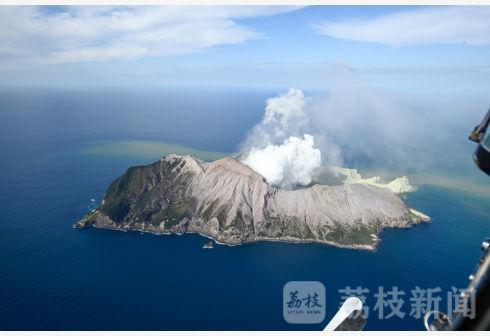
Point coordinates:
[(351, 124), (289, 164), (278, 147)]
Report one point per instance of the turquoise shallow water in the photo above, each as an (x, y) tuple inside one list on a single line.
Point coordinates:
[(55, 277)]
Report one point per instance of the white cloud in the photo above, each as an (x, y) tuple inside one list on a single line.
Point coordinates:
[(45, 35), (452, 25)]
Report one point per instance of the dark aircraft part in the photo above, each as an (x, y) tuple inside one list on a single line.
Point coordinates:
[(481, 135), (476, 296), (482, 158), (437, 321), (473, 309), (479, 289), (354, 322), (479, 286)]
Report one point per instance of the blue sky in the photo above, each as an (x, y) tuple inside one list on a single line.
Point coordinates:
[(396, 46)]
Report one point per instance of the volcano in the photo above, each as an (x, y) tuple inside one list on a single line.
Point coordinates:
[(228, 201)]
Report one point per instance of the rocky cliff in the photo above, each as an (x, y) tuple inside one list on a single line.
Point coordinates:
[(231, 203)]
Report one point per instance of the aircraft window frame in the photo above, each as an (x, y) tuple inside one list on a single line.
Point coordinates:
[(485, 142)]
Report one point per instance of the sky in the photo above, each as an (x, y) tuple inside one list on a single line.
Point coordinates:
[(404, 48), (389, 85)]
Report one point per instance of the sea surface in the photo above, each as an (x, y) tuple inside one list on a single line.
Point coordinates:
[(59, 150)]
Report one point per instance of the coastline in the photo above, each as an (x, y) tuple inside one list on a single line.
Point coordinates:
[(290, 240)]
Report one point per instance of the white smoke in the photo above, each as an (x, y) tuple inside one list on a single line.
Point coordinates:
[(287, 165), (350, 124), (284, 117), (279, 148)]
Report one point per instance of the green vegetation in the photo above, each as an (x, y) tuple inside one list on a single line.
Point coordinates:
[(359, 234), (291, 227), (126, 189)]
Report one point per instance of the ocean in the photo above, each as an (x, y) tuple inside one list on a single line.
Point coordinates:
[(60, 149)]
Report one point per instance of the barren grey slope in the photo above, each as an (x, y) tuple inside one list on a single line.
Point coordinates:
[(231, 203)]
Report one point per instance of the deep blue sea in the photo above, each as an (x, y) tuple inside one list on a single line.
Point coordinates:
[(55, 277)]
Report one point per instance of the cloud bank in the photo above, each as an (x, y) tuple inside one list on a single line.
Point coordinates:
[(52, 35), (450, 25)]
